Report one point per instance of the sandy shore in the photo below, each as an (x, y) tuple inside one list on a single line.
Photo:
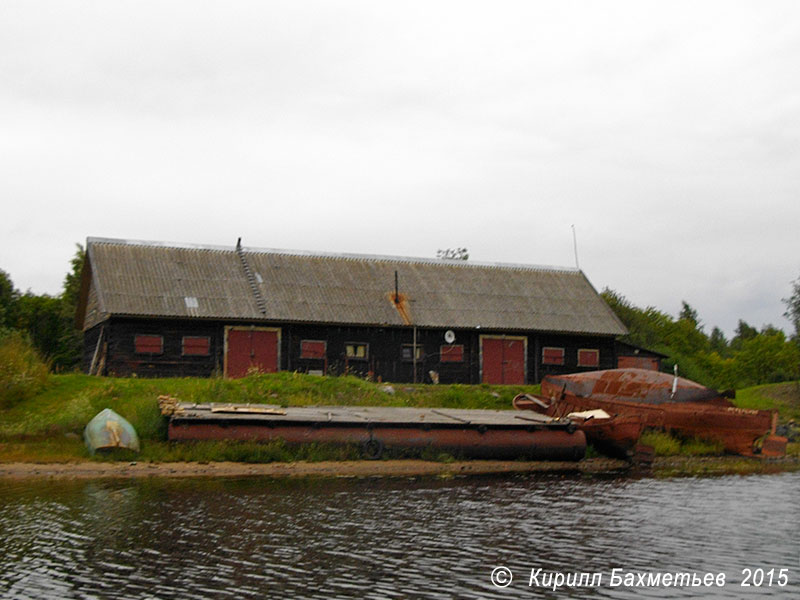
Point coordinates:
[(669, 466), (380, 468)]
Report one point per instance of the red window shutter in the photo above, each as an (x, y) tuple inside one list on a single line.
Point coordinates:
[(552, 356), (588, 358), (312, 349), (196, 346), (452, 353), (149, 344)]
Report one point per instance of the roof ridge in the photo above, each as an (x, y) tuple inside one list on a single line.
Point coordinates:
[(335, 255)]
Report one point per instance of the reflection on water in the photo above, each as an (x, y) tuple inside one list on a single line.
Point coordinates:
[(258, 538)]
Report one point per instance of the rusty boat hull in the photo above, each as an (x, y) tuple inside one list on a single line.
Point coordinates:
[(640, 385), (692, 410)]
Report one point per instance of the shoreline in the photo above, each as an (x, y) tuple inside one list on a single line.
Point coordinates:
[(280, 470), (662, 467)]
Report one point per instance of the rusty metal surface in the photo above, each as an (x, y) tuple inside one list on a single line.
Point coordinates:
[(774, 446), (154, 279), (545, 444), (474, 433), (401, 304), (642, 385), (695, 410), (614, 436)]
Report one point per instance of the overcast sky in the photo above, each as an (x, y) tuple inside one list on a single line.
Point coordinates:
[(667, 133)]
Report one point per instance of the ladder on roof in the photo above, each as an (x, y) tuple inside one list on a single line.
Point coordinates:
[(259, 298)]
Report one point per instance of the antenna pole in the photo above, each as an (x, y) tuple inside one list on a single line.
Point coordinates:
[(575, 247)]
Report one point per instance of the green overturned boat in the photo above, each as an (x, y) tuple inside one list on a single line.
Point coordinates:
[(108, 431)]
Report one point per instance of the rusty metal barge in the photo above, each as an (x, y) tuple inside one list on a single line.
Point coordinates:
[(497, 434)]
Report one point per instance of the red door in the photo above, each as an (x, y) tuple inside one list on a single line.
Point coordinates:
[(251, 350), (503, 360)]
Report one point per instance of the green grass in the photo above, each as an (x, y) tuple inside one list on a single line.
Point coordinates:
[(783, 397), (47, 425), (665, 444)]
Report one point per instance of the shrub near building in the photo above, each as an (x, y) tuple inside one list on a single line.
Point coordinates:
[(23, 373)]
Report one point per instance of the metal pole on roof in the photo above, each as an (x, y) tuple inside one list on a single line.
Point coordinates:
[(575, 247), (414, 353)]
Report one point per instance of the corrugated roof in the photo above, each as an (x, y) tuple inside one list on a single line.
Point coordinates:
[(171, 280)]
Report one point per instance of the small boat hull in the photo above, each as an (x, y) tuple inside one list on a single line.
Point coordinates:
[(109, 431)]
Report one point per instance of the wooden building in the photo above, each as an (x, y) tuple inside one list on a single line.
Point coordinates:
[(637, 357), (157, 309)]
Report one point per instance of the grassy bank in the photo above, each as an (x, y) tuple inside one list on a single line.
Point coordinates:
[(48, 426), (783, 397)]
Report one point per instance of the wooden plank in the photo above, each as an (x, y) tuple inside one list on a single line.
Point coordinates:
[(96, 350), (356, 414)]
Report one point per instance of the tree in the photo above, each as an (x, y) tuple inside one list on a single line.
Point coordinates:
[(793, 307), (766, 358), (743, 333), (49, 321), (40, 317), (8, 300), (72, 280), (718, 341), (688, 314), (70, 341)]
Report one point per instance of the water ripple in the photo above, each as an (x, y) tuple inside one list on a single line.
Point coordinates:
[(389, 539)]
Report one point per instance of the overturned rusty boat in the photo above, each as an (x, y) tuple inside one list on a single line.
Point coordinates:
[(671, 403), (500, 434)]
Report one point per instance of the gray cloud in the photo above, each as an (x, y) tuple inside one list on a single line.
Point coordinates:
[(666, 132)]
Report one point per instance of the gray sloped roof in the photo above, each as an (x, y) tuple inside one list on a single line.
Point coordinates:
[(170, 280)]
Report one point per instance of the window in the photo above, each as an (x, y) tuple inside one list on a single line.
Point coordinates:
[(407, 349), (148, 344), (356, 350), (194, 345), (552, 356), (312, 348), (452, 353), (588, 358)]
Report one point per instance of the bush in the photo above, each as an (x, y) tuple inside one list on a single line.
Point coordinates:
[(23, 372)]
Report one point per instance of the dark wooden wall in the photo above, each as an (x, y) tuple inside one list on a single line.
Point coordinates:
[(122, 360), (384, 360)]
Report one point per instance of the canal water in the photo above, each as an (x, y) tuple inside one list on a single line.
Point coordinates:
[(377, 538)]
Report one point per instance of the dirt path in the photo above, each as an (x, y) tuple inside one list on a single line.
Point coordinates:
[(380, 468)]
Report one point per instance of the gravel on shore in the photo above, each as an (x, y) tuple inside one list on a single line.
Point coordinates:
[(359, 468)]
